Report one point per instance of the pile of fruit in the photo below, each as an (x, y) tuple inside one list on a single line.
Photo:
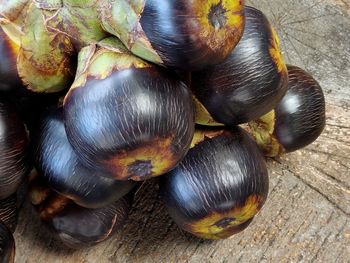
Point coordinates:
[(97, 96)]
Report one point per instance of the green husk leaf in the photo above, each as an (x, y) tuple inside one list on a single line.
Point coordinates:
[(84, 58), (49, 4), (122, 19), (114, 44), (12, 16), (98, 61), (262, 130), (202, 116), (10, 10), (45, 59), (77, 19)]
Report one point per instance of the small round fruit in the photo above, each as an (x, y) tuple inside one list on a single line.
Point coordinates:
[(249, 83), (76, 226), (127, 116), (7, 245), (180, 34), (58, 164), (13, 149), (8, 212), (297, 121), (219, 186)]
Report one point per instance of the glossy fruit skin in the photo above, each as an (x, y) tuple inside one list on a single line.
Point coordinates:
[(13, 149), (8, 212), (218, 187), (186, 36), (59, 165), (179, 34), (182, 34), (7, 245), (136, 123), (78, 227), (300, 117), (9, 79), (250, 82)]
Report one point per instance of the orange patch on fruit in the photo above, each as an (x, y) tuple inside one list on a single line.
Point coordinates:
[(219, 225), (220, 23), (275, 52), (148, 160)]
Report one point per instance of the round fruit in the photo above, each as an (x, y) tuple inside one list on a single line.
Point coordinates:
[(249, 83), (176, 33), (127, 116), (297, 121), (76, 226), (219, 186), (59, 165)]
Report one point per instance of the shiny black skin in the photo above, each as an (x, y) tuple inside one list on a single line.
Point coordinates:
[(159, 20), (300, 117), (78, 227), (167, 25), (126, 110), (58, 164), (9, 212), (13, 149), (9, 79), (7, 244), (217, 175), (247, 84)]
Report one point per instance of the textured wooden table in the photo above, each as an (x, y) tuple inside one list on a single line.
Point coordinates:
[(307, 215)]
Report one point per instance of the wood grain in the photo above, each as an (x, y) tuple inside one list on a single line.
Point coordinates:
[(307, 215)]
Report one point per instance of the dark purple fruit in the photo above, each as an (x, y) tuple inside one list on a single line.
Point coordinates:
[(176, 33), (219, 186), (249, 83), (129, 117), (59, 165), (8, 212), (76, 226), (13, 149), (297, 121), (7, 245)]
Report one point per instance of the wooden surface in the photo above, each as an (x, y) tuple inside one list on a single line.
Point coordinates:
[(306, 217)]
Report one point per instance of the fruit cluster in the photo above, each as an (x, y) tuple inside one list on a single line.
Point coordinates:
[(100, 95)]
